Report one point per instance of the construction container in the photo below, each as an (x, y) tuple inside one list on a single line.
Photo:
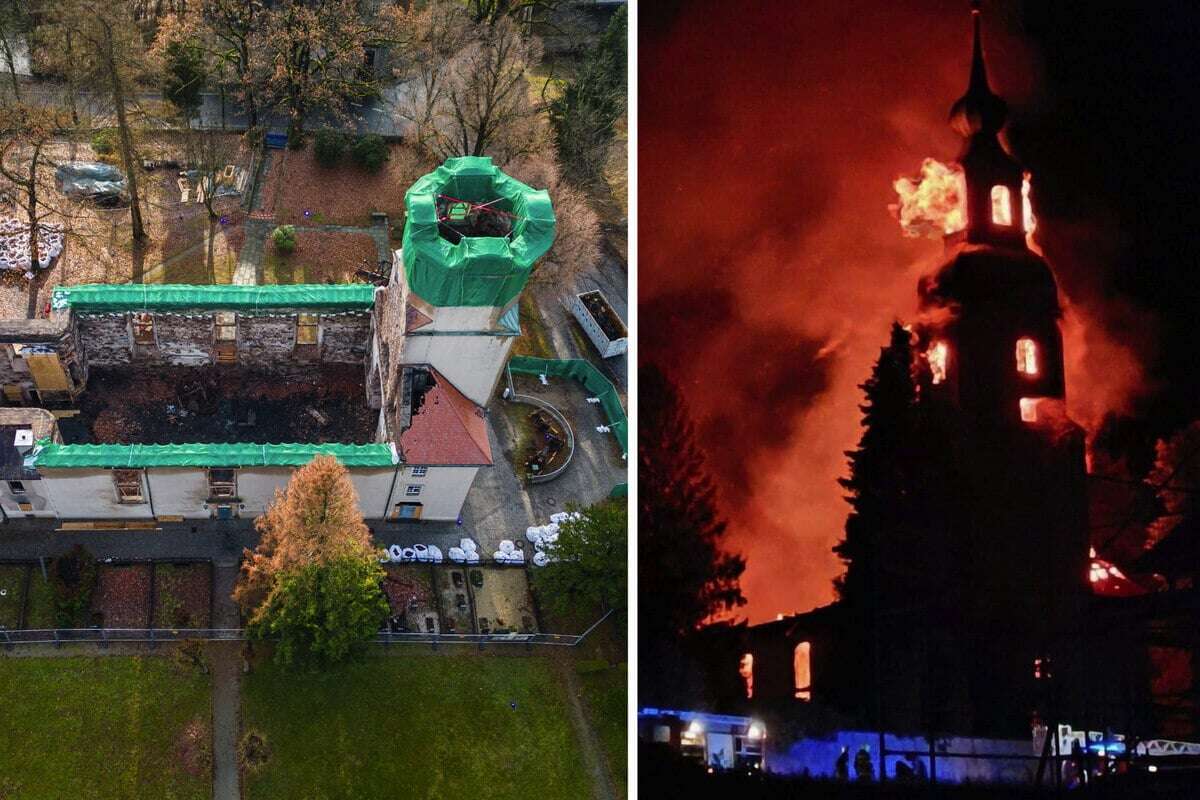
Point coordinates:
[(600, 321)]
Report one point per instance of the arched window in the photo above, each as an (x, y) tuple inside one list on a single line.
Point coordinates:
[(746, 670), (802, 670), (1001, 205), (1027, 356)]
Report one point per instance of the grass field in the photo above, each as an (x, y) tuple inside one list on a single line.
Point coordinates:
[(605, 691), (415, 726), (101, 727)]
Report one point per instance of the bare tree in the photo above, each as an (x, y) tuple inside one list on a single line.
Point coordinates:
[(314, 57), (226, 28), (576, 245), (27, 164), (209, 155), (483, 106), (108, 50), (14, 25)]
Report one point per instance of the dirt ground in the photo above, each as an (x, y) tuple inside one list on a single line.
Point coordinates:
[(209, 404), (503, 602), (321, 257), (299, 191), (410, 596), (99, 246)]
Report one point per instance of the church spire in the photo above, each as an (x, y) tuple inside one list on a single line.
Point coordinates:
[(979, 110), (995, 207)]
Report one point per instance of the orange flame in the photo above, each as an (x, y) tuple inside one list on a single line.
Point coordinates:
[(934, 204), (938, 356)]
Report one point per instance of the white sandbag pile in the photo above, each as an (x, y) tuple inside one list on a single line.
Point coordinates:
[(14, 244), (543, 537), (508, 553), (467, 552)]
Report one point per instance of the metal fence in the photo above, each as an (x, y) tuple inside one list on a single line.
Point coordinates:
[(104, 636)]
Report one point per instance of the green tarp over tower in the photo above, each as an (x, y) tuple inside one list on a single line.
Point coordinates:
[(477, 270)]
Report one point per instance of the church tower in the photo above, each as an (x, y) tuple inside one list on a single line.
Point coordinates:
[(992, 364)]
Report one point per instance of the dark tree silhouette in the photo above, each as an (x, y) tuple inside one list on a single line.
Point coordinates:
[(880, 486), (684, 575)]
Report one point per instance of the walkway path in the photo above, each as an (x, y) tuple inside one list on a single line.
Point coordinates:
[(249, 265), (227, 675), (593, 754)]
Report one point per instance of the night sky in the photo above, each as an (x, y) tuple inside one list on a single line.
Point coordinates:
[(770, 267)]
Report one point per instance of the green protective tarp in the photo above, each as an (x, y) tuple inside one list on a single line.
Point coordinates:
[(181, 297), (619, 491), (68, 456), (591, 378), (478, 271)]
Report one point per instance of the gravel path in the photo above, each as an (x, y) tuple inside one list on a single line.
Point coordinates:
[(227, 676), (593, 755)]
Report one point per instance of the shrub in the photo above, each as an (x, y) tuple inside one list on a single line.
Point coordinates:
[(295, 139), (329, 146), (104, 141), (370, 152), (74, 576), (284, 237)]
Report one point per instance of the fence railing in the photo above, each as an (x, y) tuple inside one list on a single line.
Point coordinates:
[(104, 636)]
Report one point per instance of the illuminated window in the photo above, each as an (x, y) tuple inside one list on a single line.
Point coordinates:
[(1028, 409), (746, 670), (1001, 205), (1027, 356), (802, 670), (306, 329), (143, 328), (938, 356)]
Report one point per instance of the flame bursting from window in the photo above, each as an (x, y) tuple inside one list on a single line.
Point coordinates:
[(746, 670), (938, 356), (934, 204)]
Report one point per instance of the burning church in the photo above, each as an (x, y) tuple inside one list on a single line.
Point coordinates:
[(968, 608)]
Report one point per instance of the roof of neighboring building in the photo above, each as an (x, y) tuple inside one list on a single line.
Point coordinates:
[(448, 429), (182, 297)]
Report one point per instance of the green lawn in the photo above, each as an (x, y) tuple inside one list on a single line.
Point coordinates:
[(416, 726), (101, 727), (12, 594), (605, 692), (39, 610)]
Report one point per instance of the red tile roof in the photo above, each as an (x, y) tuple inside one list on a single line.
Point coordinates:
[(449, 429)]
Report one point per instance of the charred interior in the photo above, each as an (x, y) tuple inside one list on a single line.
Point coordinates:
[(210, 404), (489, 217)]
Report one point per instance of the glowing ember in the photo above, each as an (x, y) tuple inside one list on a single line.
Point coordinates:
[(938, 356), (1027, 363), (934, 204)]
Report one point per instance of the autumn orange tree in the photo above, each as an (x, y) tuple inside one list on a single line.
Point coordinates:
[(313, 582)]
